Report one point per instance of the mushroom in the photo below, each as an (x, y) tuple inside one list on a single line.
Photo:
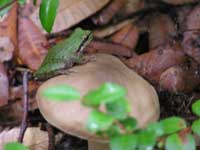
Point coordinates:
[(71, 117), (71, 12)]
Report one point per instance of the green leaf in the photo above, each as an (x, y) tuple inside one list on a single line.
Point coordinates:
[(146, 140), (196, 108), (15, 146), (99, 121), (196, 127), (21, 2), (119, 109), (107, 92), (129, 123), (123, 142), (175, 142), (156, 128), (6, 9), (61, 93), (172, 125), (48, 11), (114, 130)]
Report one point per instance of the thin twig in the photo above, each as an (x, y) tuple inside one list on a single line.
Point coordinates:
[(7, 4), (25, 107), (51, 137)]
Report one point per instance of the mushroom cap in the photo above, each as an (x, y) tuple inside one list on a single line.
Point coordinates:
[(71, 116), (71, 12)]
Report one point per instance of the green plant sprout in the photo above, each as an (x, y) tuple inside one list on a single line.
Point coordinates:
[(115, 122)]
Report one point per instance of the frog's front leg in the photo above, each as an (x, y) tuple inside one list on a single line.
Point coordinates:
[(85, 59)]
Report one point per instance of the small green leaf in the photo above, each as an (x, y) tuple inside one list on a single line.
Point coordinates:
[(175, 142), (105, 93), (156, 128), (21, 2), (15, 146), (129, 123), (196, 107), (119, 109), (48, 11), (61, 93), (146, 140), (196, 127), (99, 121), (172, 125), (114, 130), (123, 142), (6, 9)]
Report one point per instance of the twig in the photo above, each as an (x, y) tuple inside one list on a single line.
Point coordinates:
[(25, 107), (51, 137), (7, 4)]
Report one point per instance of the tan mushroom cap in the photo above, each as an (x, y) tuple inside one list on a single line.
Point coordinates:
[(72, 12), (71, 117)]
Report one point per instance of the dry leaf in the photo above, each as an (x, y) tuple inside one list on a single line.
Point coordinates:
[(31, 43), (8, 34), (178, 2), (3, 86), (34, 138), (127, 36), (71, 12)]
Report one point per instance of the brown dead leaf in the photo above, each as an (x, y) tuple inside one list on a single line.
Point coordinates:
[(3, 86), (151, 64), (34, 138), (31, 43), (8, 34), (127, 36), (178, 2)]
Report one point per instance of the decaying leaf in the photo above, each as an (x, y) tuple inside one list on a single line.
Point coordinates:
[(109, 48), (152, 64), (31, 43), (178, 2), (161, 30), (34, 138), (8, 34), (181, 78), (3, 86), (71, 12), (191, 39), (107, 13), (127, 36)]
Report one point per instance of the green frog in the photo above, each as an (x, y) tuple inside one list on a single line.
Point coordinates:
[(63, 55)]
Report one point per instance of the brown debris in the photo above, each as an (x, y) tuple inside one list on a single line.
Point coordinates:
[(3, 86), (107, 13), (181, 78), (191, 39), (127, 36), (161, 29), (150, 65), (8, 34), (31, 43), (97, 46)]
